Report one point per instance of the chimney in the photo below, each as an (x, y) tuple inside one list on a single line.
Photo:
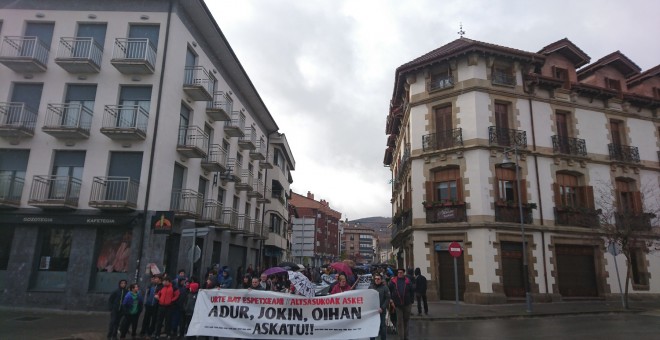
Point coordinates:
[(310, 195)]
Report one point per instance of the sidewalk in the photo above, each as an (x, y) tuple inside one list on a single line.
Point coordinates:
[(448, 310)]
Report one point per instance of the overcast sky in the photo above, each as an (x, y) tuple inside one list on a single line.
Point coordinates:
[(325, 69)]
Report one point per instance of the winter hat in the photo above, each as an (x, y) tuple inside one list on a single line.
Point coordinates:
[(194, 287)]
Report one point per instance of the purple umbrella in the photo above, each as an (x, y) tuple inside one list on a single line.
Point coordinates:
[(274, 270)]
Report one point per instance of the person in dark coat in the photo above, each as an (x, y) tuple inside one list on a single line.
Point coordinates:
[(420, 292), (132, 307), (402, 293), (150, 306), (384, 302), (114, 305)]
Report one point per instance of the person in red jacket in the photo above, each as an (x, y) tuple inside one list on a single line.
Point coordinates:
[(166, 297), (402, 294)]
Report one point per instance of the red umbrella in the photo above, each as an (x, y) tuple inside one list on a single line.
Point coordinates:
[(342, 267)]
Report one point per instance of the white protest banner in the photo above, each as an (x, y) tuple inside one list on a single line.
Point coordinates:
[(255, 314), (363, 282)]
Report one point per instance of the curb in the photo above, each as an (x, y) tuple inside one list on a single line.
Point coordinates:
[(524, 316)]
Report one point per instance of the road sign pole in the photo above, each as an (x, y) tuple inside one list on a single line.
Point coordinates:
[(456, 283), (192, 251)]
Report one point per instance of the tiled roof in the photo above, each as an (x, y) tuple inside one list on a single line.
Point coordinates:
[(617, 60), (568, 49), (652, 72)]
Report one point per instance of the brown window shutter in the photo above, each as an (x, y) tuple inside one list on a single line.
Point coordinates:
[(459, 189), (589, 197), (637, 202), (523, 191), (555, 187), (429, 191)]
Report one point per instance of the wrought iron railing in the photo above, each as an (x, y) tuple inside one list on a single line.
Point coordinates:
[(440, 83), (507, 137), (80, 49), (193, 137), (624, 153), (186, 202), (400, 223), (69, 116), (216, 154), (503, 78), (114, 190), (198, 76), (11, 188), (581, 217), (126, 117), (250, 136), (221, 100), (511, 213), (446, 213), (17, 116), (25, 47), (442, 140), (134, 49), (212, 211), (247, 177), (569, 146), (51, 189), (237, 120), (634, 222)]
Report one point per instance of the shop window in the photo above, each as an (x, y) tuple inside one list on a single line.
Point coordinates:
[(6, 237), (640, 275), (114, 250), (54, 247)]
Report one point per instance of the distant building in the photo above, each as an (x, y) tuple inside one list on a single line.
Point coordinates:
[(454, 114), (315, 232), (359, 244)]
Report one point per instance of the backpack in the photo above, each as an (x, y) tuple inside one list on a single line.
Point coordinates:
[(189, 306)]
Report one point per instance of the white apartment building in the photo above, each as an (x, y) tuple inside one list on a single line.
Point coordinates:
[(578, 129), (131, 138)]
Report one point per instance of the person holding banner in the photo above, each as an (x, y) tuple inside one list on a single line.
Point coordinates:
[(384, 302), (402, 293), (341, 286)]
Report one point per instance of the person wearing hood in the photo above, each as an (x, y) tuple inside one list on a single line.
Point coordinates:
[(225, 280), (420, 292), (132, 307), (114, 305), (189, 305), (166, 297)]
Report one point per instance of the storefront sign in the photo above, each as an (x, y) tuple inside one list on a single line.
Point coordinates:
[(162, 221), (69, 219)]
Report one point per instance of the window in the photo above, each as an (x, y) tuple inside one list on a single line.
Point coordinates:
[(149, 32), (91, 38), (184, 121), (640, 275), (201, 187), (221, 196), (278, 159), (561, 74), (443, 127), (6, 237), (613, 84), (507, 188), (561, 120), (67, 172), (616, 131), (629, 200), (135, 102), (440, 80), (570, 194), (177, 185), (656, 92), (27, 94), (43, 31), (54, 249), (445, 187), (12, 173), (275, 223), (113, 252), (503, 75), (502, 133)]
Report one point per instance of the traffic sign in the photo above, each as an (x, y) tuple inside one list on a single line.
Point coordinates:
[(455, 249), (194, 254), (195, 232)]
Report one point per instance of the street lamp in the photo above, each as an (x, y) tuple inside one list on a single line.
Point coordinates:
[(507, 164)]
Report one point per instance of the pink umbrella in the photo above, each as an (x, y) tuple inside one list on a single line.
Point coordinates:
[(274, 270), (342, 267)]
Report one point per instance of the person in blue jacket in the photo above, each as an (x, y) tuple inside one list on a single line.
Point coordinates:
[(114, 305), (132, 307), (224, 279)]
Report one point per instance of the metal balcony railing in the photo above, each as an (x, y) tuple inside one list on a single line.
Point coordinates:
[(507, 137), (212, 211), (581, 217), (72, 116), (134, 49), (216, 158), (633, 221), (193, 137), (17, 117), (186, 202), (259, 151), (16, 48), (249, 140), (235, 127), (511, 213), (279, 194), (11, 189), (242, 223), (569, 146), (440, 83), (230, 218), (446, 213), (247, 180), (126, 118), (79, 50), (503, 78), (52, 190), (442, 140), (221, 107), (624, 153), (198, 83), (114, 192)]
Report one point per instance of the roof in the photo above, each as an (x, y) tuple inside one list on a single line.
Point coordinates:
[(300, 201), (615, 59), (650, 73), (569, 50)]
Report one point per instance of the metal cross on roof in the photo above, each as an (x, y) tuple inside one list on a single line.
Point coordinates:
[(461, 32)]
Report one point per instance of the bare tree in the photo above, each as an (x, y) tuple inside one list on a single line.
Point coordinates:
[(629, 220)]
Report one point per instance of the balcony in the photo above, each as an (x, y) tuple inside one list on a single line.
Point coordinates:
[(249, 140), (17, 120), (242, 223), (400, 223), (229, 219), (24, 54), (236, 125), (633, 222), (216, 159), (220, 108), (114, 193), (569, 146), (623, 153), (442, 140), (193, 142), (68, 121), (125, 122), (257, 189), (259, 152), (267, 163), (134, 56), (232, 173), (279, 195), (79, 55), (574, 216), (439, 84), (11, 190), (198, 83), (55, 192), (265, 198), (509, 212), (259, 231), (247, 181), (507, 137), (503, 78), (444, 213), (187, 203), (211, 213)]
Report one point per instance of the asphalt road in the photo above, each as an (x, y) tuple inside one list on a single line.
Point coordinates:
[(49, 325)]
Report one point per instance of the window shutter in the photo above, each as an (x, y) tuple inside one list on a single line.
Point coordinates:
[(523, 191), (429, 191), (637, 202), (554, 72), (459, 189), (555, 187), (589, 197)]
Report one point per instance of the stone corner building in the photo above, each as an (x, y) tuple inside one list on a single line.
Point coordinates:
[(130, 135), (453, 113)]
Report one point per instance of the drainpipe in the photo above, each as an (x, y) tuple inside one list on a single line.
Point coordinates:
[(147, 222)]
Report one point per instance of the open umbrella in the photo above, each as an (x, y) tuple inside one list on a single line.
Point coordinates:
[(302, 284), (274, 270), (292, 266), (342, 267)]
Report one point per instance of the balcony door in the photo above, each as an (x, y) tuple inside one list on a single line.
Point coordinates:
[(184, 122), (562, 132), (132, 99), (502, 124), (137, 49), (12, 173), (44, 33), (30, 96), (177, 186), (123, 164), (191, 61), (83, 49), (68, 170), (80, 98), (443, 127), (616, 132)]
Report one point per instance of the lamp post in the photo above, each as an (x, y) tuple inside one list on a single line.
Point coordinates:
[(506, 163)]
